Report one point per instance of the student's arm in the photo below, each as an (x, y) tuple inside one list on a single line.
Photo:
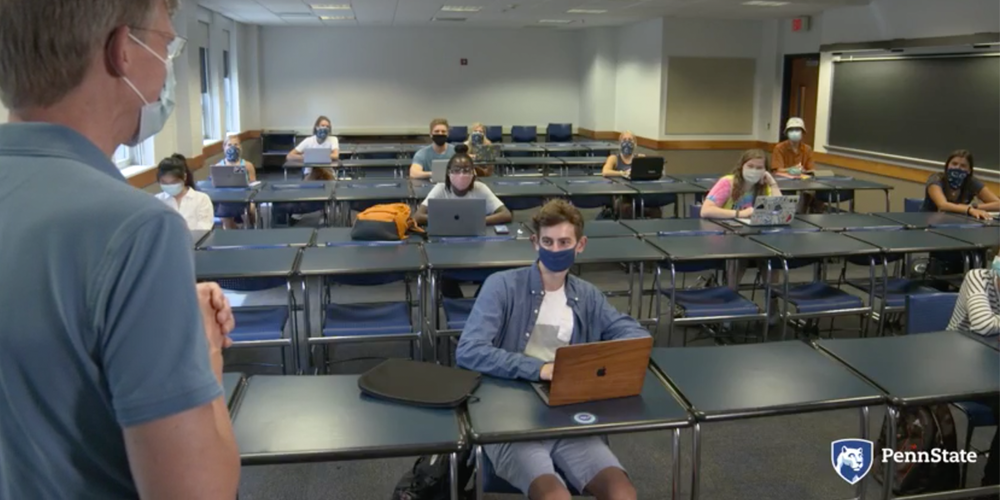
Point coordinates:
[(296, 154), (335, 150), (251, 171), (936, 194), (991, 203), (501, 216), (417, 172), (476, 350), (711, 208), (421, 216), (983, 320), (808, 164), (609, 167), (498, 213), (204, 213), (163, 374), (778, 160), (612, 324), (773, 184)]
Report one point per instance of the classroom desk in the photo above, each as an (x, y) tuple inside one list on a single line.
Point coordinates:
[(676, 227), (794, 186), (556, 148), (628, 250), (507, 411), (849, 222), (991, 341), (407, 150), (522, 147), (591, 191), (912, 241), (983, 237), (230, 195), (842, 184), (367, 192), (232, 387), (582, 165), (661, 187), (422, 187), (523, 165), (601, 148), (706, 248), (737, 227), (596, 229), (933, 220), (300, 166), (376, 149), (522, 194), (198, 235), (324, 418), (357, 260), (955, 368), (341, 236), (292, 192), (358, 167), (703, 181), (261, 238), (787, 378)]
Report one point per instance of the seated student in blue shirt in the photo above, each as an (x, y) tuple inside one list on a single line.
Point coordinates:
[(439, 150), (519, 320)]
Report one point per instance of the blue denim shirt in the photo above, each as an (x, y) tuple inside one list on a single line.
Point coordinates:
[(505, 313)]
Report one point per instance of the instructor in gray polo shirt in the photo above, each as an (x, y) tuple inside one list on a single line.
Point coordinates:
[(111, 355)]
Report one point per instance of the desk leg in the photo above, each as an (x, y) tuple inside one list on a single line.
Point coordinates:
[(889, 471), (783, 317), (420, 318), (695, 460), (887, 201), (453, 475), (631, 284), (302, 354), (631, 287), (479, 472), (862, 485), (432, 315), (675, 492)]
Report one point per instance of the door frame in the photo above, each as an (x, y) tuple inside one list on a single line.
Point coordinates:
[(786, 89)]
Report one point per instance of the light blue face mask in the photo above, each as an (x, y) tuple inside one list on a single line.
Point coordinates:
[(172, 189), (153, 115), (996, 265)]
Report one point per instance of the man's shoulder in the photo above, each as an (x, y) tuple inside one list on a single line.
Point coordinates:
[(582, 287), (512, 277)]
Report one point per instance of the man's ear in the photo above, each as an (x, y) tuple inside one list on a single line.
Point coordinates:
[(534, 241), (581, 245), (116, 52)]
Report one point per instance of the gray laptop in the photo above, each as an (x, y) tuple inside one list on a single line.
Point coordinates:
[(316, 156), (772, 211), (456, 217), (439, 169), (224, 176)]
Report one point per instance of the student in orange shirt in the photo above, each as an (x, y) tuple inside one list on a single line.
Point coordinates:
[(793, 157)]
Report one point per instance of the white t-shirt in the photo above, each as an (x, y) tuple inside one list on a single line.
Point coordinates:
[(311, 142), (553, 328), (195, 207), (479, 191)]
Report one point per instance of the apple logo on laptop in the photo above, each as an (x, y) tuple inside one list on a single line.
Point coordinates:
[(602, 371)]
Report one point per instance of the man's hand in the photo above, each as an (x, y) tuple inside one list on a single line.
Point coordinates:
[(546, 373), (216, 314)]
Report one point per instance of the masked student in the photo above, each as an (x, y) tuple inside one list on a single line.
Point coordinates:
[(177, 186), (231, 213), (321, 139), (956, 189), (620, 165), (477, 139), (438, 150)]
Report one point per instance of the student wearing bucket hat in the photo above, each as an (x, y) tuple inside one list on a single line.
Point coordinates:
[(793, 157)]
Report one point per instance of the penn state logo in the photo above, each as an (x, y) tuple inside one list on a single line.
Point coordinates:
[(852, 458)]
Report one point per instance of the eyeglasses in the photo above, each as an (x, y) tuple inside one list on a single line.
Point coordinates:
[(457, 171), (174, 46)]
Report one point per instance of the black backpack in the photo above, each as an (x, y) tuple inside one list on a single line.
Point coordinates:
[(921, 429), (429, 478)]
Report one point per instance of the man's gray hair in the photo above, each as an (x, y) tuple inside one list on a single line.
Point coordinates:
[(47, 46)]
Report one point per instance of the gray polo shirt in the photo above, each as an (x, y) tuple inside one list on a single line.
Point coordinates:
[(99, 322), (426, 155)]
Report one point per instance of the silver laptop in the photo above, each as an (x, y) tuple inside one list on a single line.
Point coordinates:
[(772, 211), (224, 176), (456, 217), (316, 156), (439, 169)]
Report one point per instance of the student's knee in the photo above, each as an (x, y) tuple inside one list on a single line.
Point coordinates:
[(548, 487), (612, 484)]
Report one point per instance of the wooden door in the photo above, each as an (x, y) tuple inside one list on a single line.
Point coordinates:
[(803, 86)]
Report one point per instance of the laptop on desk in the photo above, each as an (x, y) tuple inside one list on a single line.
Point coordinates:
[(439, 169), (488, 153), (456, 217), (772, 211), (647, 168), (229, 176), (316, 156), (596, 371)]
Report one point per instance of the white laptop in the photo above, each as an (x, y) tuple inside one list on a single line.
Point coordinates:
[(772, 211), (439, 169), (316, 156)]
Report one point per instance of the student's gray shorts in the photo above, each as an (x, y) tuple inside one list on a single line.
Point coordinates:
[(579, 459)]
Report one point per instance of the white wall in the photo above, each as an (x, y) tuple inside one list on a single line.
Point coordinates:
[(639, 79), (389, 79), (248, 68), (890, 19), (598, 71), (3, 114)]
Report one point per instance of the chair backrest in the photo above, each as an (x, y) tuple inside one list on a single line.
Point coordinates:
[(929, 312), (560, 132), (458, 134), (694, 211), (494, 133), (912, 204), (524, 133)]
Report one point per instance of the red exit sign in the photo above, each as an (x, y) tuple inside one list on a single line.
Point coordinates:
[(800, 24), (464, 62)]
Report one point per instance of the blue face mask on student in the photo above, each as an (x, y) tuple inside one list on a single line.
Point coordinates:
[(557, 262), (322, 133), (232, 153), (956, 177), (477, 138), (628, 147)]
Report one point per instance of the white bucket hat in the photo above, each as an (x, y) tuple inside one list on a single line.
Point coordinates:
[(795, 122)]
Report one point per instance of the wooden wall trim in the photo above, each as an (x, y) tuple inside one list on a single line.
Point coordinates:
[(884, 169), (601, 135), (675, 144)]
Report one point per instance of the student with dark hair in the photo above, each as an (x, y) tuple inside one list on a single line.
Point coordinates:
[(956, 189), (522, 316), (177, 186), (321, 139), (461, 183)]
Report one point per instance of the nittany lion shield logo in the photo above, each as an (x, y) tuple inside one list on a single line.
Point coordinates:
[(852, 458)]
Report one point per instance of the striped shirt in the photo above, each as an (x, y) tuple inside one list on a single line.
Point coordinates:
[(978, 307)]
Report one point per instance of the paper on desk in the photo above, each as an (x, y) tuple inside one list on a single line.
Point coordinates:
[(235, 299)]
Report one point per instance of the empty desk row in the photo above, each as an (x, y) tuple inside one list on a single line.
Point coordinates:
[(326, 418)]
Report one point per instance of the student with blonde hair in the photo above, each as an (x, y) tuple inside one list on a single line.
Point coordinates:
[(477, 139), (620, 164)]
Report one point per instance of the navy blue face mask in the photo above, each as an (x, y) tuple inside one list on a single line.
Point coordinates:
[(232, 153), (557, 262), (477, 138), (322, 133), (956, 177), (628, 147)]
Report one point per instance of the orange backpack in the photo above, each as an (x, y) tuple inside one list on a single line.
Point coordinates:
[(389, 222)]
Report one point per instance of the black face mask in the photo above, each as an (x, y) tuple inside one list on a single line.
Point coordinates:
[(439, 139)]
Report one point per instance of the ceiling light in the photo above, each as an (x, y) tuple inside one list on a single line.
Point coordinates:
[(296, 15), (765, 3), (460, 8), (586, 11), (340, 6), (555, 21), (337, 18), (448, 19)]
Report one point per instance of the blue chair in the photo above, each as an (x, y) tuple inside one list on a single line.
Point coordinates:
[(818, 299), (494, 133), (912, 204), (458, 133), (456, 312), (932, 312), (559, 132), (524, 133), (261, 326)]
